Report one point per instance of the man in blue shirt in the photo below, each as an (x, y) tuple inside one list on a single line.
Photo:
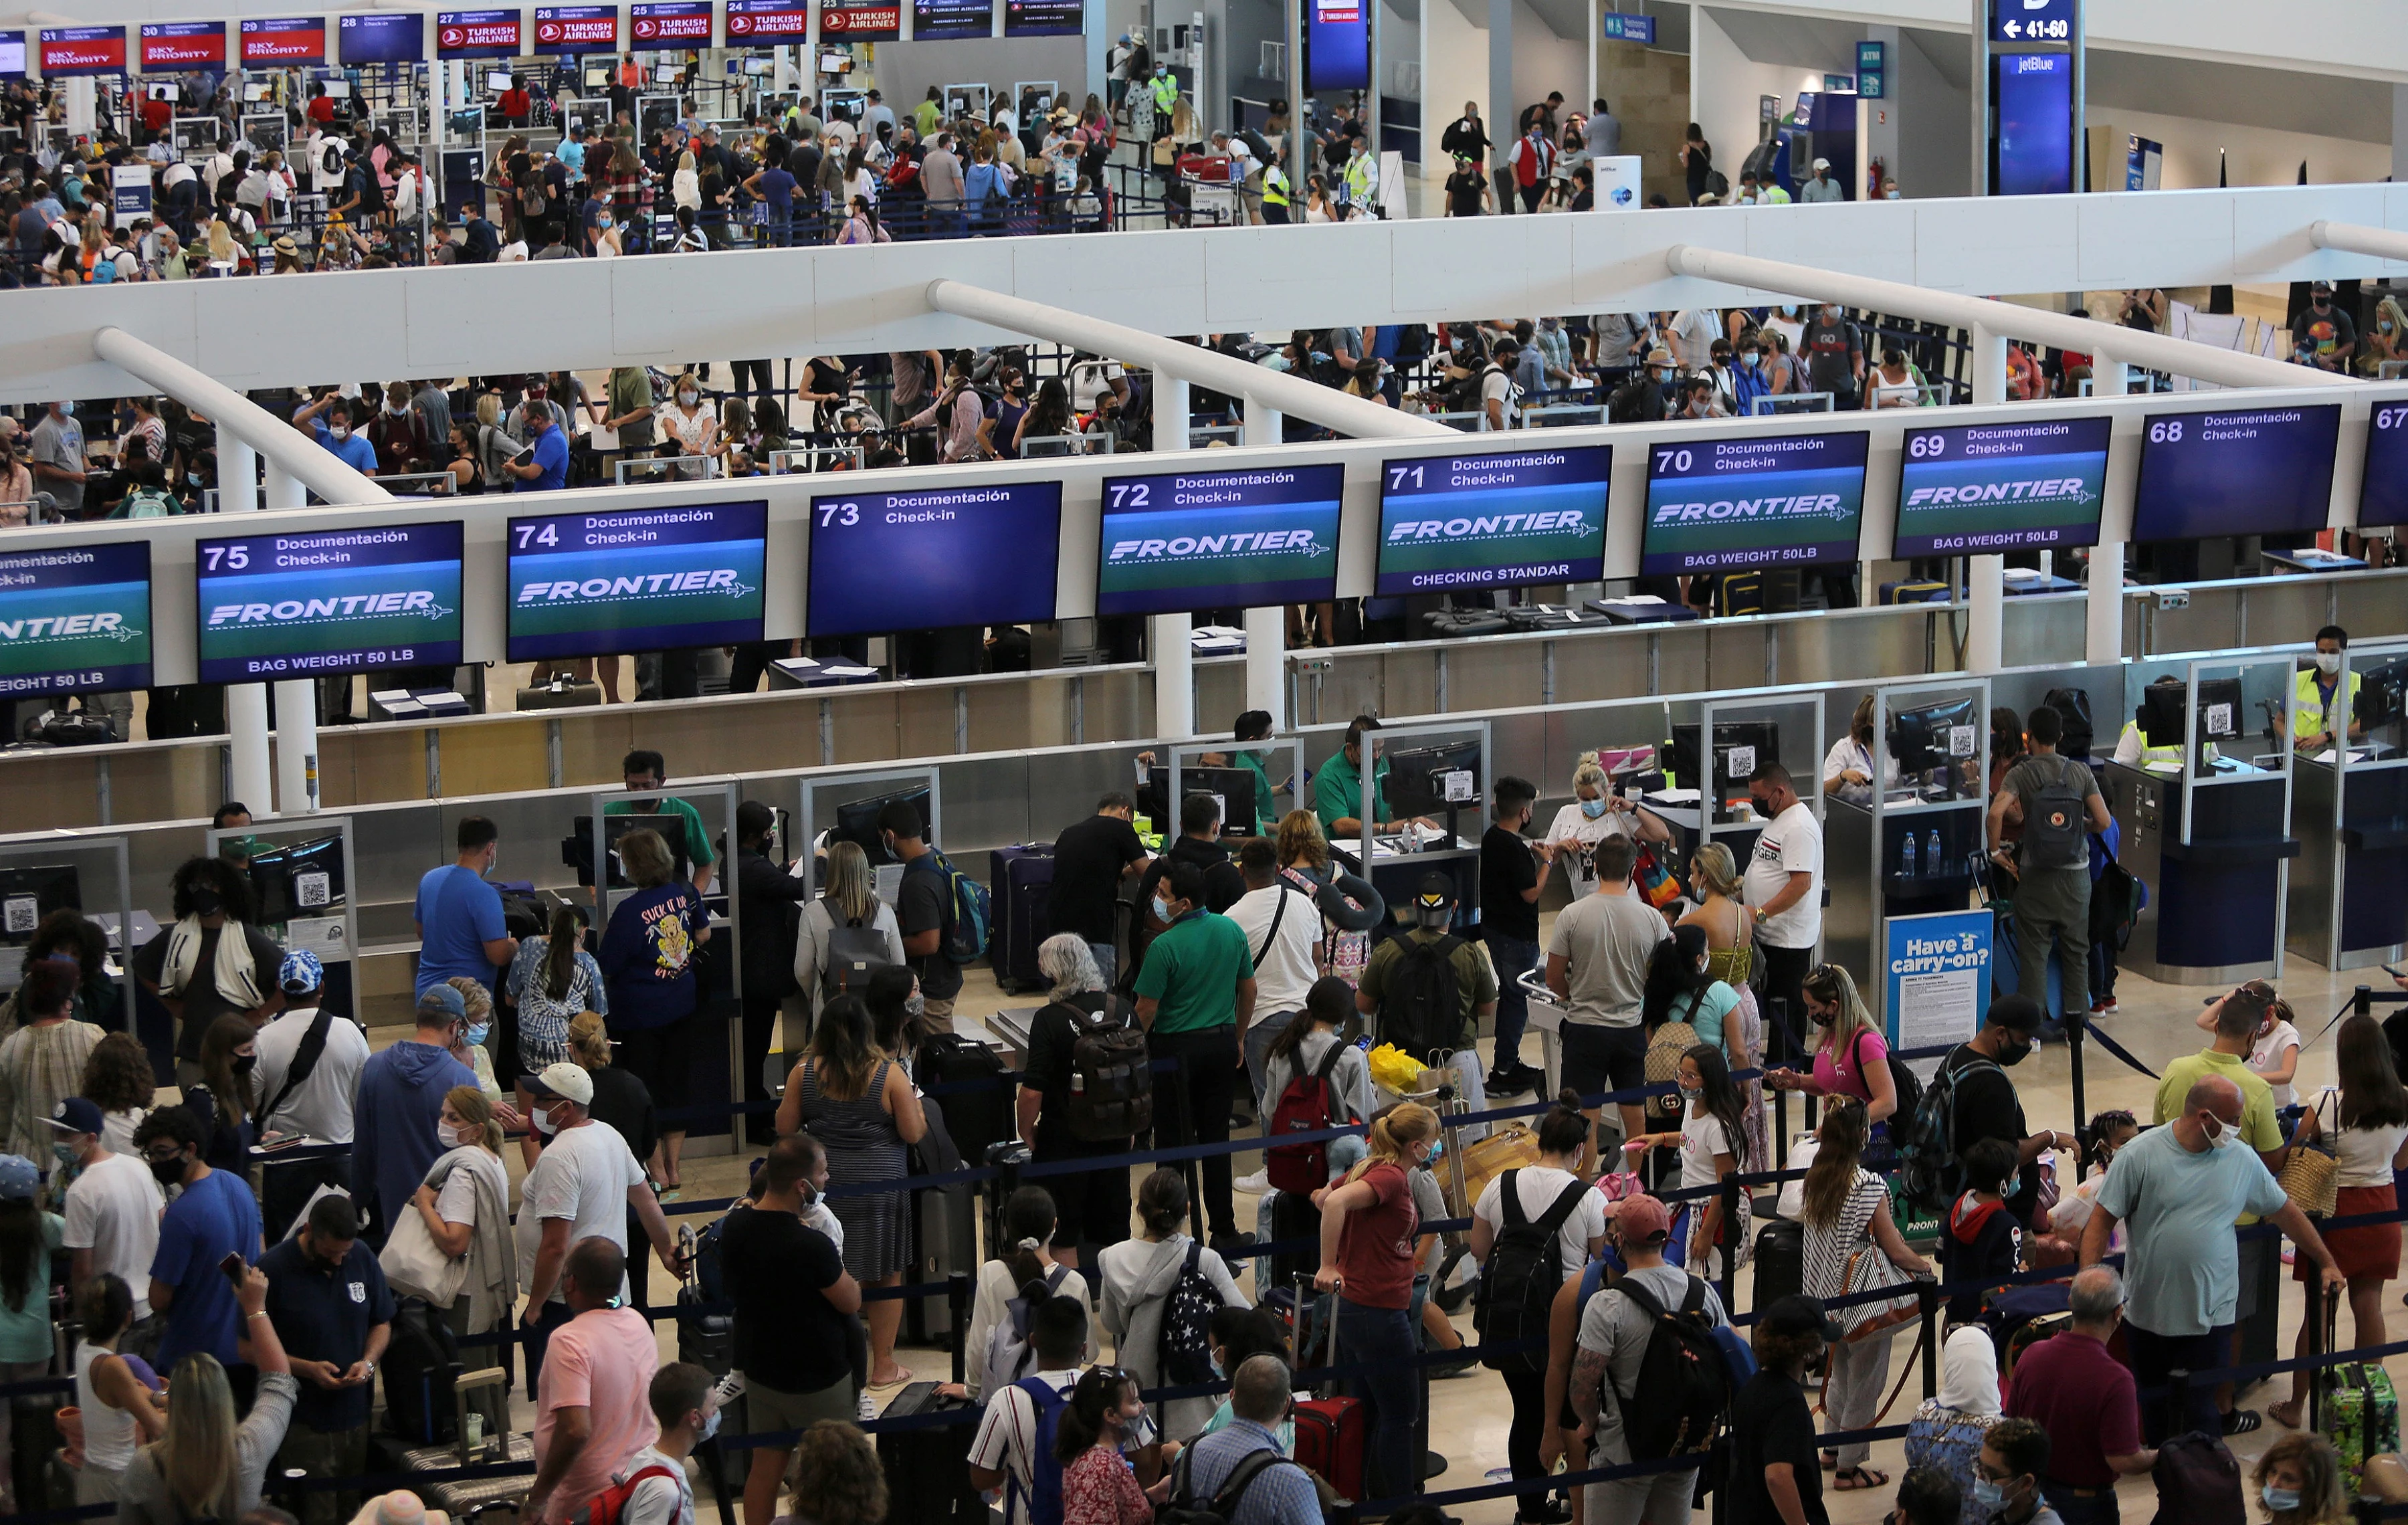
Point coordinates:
[(214, 1217), (1279, 1491), (329, 1303), (328, 420), (459, 916), (548, 471), (400, 1104)]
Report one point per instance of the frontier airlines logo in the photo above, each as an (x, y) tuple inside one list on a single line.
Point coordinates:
[(1194, 549), (2070, 490), (106, 624), (357, 606), (710, 581)]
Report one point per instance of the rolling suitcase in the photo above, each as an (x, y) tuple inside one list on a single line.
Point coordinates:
[(944, 1231), (1023, 881), (927, 1470), (1915, 592), (1780, 1263), (1332, 1434)]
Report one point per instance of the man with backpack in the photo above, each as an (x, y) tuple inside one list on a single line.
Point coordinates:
[(1239, 1472), (1649, 1378), (651, 1488), (309, 1062), (2057, 802), (1429, 989), (1980, 1102), (923, 907), (1013, 1449)]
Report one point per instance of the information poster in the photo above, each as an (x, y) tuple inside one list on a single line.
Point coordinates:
[(1338, 45), (1187, 541), (75, 620), (1044, 18), (129, 191), (861, 23), (331, 602), (82, 51), (1935, 980), (970, 556), (681, 22), (1774, 500), (2258, 472), (12, 55), (639, 580), (932, 20), (477, 34), (399, 38), (283, 41), (2383, 500), (766, 20), (1978, 488), (182, 45), (577, 29), (1498, 520)]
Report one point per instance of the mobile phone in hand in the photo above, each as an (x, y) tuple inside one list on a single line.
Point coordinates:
[(2393, 972), (233, 1267)]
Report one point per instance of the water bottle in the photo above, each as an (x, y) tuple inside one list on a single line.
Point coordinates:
[(1906, 857), (1932, 851)]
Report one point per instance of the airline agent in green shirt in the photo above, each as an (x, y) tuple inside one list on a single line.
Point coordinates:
[(1337, 788), (645, 771)]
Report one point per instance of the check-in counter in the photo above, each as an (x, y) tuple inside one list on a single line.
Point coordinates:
[(2349, 901), (2215, 904)]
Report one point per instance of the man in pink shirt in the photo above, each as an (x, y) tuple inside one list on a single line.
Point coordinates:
[(592, 1408)]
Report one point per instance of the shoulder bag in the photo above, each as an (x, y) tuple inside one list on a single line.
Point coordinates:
[(2311, 1175), (416, 1266)]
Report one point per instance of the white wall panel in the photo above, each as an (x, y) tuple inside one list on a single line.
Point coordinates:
[(2152, 238), (1527, 261), (1987, 247), (1874, 239)]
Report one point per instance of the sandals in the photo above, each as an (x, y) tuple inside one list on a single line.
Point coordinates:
[(2240, 1421), (1864, 1477), (2287, 1414)]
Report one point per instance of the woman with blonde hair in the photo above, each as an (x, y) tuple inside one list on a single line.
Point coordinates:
[(1595, 813), (1730, 957), (1349, 908), (495, 445), (476, 1033), (207, 1467), (841, 931), (1849, 1237), (648, 957), (2299, 1482), (685, 183), (464, 1206), (1848, 767), (862, 1108), (1368, 1224), (1851, 1055)]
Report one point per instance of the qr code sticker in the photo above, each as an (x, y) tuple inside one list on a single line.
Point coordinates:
[(1459, 786), (24, 914), (311, 889), (1741, 763), (1960, 741), (2219, 720)]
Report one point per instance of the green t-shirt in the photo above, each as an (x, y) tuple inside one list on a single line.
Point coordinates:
[(1266, 811), (1475, 979), (1338, 791), (1191, 972), (698, 841)]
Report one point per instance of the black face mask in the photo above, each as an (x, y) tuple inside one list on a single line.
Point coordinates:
[(169, 1173), (2014, 1054), (1821, 1019), (206, 903)]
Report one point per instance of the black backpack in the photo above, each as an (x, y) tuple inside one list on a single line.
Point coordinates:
[(2057, 828), (1930, 1177), (1112, 1076), (1422, 1010), (1686, 1381), (1909, 1088), (2072, 706), (1524, 1271)]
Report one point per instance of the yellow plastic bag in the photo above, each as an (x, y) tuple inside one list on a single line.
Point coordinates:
[(1395, 1069)]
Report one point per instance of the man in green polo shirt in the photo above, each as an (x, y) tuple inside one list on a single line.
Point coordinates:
[(1337, 788), (1195, 994), (645, 771)]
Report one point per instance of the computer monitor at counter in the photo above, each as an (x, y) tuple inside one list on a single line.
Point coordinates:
[(2162, 705), (1235, 788), (1431, 780), (577, 849), (1741, 747), (299, 879)]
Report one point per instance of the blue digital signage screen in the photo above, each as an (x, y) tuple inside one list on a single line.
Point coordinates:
[(2258, 472), (637, 580), (970, 556), (2032, 154), (1975, 489), (1502, 520), (1187, 541), (74, 619), (398, 38), (328, 601), (1338, 45), (1773, 500), (2383, 498)]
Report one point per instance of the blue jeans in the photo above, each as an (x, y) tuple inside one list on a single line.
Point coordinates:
[(1393, 1393), (2099, 1508), (1513, 959)]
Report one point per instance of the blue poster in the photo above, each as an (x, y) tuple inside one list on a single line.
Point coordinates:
[(1935, 980), (2032, 151)]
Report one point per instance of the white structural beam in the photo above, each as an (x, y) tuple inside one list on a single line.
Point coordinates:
[(2355, 239), (2000, 320), (1358, 417)]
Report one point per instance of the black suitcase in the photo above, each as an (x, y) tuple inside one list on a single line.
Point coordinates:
[(927, 1470), (1022, 882), (982, 1113), (1780, 1263), (419, 1361)]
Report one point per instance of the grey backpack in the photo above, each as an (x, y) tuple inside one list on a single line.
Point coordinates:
[(855, 951), (2057, 824)]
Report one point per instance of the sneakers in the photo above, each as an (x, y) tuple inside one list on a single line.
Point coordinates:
[(867, 1407), (2102, 1006), (1254, 1185), (1518, 1079)]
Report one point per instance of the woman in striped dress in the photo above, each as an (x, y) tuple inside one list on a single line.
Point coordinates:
[(859, 1104)]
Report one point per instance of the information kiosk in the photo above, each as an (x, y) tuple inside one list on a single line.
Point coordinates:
[(2348, 901)]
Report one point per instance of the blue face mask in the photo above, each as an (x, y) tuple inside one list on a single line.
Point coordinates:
[(1592, 808), (1161, 909), (1989, 1497), (2280, 1501), (477, 1034)]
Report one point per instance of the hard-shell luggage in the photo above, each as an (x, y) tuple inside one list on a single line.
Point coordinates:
[(1332, 1434), (927, 1469), (419, 1363), (1915, 592), (944, 1240), (1780, 1261), (2361, 1415), (1022, 882), (977, 1096)]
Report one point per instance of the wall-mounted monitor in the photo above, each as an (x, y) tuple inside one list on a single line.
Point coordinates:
[(1765, 500), (279, 42), (2263, 471), (1499, 520), (1974, 489), (1185, 540), (328, 601), (2383, 498), (478, 33), (577, 29), (380, 37), (2031, 147), (637, 580), (182, 45), (670, 24), (968, 555), (74, 619)]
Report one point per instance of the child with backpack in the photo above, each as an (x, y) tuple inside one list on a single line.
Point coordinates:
[(1160, 1291), (1014, 1447), (1532, 1230), (1009, 1292), (650, 1486), (1984, 1242), (1097, 1486)]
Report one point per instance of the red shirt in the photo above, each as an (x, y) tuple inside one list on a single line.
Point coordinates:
[(156, 114), (322, 108), (1375, 1247), (516, 103), (2083, 1396)]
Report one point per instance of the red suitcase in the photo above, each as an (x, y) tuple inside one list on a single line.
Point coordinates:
[(1331, 1433)]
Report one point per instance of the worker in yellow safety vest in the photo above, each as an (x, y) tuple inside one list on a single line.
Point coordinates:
[(1275, 194), (1165, 95), (1361, 181), (2315, 688), (2133, 749)]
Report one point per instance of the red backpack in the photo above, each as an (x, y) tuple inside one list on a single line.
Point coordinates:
[(1307, 1104), (610, 1504)]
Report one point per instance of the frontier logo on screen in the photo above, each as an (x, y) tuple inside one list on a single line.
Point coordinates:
[(1190, 547), (1218, 540), (76, 620), (719, 580), (639, 579), (1725, 504)]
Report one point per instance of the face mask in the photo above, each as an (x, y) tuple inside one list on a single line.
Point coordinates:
[(1161, 909), (688, 398), (477, 1034), (1889, 195), (65, 1153), (1750, 361), (915, 1004), (1789, 313), (2328, 663), (2385, 326), (2226, 1134), (2015, 1053), (204, 902), (1988, 1496), (2280, 1501), (245, 1063), (1592, 808), (544, 1123), (1217, 1373), (1693, 1094), (193, 478), (709, 1426), (168, 1172), (339, 432)]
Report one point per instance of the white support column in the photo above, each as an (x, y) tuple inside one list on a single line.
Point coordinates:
[(1173, 416), (1265, 627), (1990, 362), (237, 474), (246, 703), (284, 490), (2103, 634), (296, 746), (2109, 378), (1985, 596), (1169, 636)]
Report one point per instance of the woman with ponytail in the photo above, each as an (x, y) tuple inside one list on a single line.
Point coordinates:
[(1026, 1269), (1139, 1277), (1847, 1222), (1712, 1142), (1369, 1226)]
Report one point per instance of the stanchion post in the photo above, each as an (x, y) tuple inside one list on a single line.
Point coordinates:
[(2363, 998), (1927, 1300), (2178, 1401), (1191, 1168), (1730, 1190), (957, 1298), (1779, 1129), (2074, 1023)]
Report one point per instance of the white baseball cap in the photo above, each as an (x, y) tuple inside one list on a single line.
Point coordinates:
[(564, 1080), (1822, 163)]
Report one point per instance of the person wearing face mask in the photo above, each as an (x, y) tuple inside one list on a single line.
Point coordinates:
[(472, 1275), (2007, 1475), (1987, 1105), (1848, 767), (2329, 333), (1196, 994), (690, 419), (2384, 339), (1697, 399), (213, 1216), (2301, 1481), (2181, 1186), (1368, 1225), (328, 420), (213, 961), (1834, 355), (309, 1063), (2320, 691), (1849, 1231), (1714, 1142), (328, 1297), (1640, 399), (2076, 1390), (112, 1203), (43, 1061), (1774, 1479)]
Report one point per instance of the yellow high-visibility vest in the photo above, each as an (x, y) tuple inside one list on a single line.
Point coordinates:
[(1274, 186), (2308, 703)]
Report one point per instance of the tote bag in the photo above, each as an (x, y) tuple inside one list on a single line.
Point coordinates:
[(416, 1266)]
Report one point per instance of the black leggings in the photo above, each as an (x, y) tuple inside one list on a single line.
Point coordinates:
[(1528, 1392)]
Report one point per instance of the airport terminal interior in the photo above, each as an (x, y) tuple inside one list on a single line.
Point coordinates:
[(1747, 586)]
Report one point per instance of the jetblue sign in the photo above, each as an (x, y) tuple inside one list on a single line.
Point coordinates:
[(2032, 21)]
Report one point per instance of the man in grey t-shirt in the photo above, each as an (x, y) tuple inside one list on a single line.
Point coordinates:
[(58, 460), (1613, 1334), (1596, 965), (1602, 133), (2052, 864)]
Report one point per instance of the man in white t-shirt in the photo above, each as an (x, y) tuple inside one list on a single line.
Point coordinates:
[(1596, 965), (113, 1204), (1693, 333), (1283, 933), (1004, 1452), (319, 1106), (580, 1187), (1783, 887)]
